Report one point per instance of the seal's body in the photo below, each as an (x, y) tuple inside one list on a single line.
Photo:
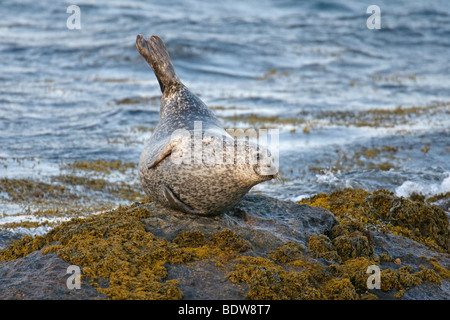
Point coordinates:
[(190, 163)]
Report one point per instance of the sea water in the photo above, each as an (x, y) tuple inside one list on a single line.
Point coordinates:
[(353, 106)]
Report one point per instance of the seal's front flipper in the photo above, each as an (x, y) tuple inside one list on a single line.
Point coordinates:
[(176, 203), (157, 56), (160, 156), (151, 157)]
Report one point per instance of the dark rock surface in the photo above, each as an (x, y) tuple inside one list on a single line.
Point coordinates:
[(265, 223), (40, 277), (411, 253), (7, 237)]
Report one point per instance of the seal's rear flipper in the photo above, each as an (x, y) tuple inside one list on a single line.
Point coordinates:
[(155, 52), (177, 204)]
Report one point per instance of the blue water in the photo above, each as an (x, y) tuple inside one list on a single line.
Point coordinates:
[(60, 89)]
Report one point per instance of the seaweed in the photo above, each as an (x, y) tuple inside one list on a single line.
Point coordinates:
[(100, 165), (382, 210), (268, 280), (122, 259), (322, 247)]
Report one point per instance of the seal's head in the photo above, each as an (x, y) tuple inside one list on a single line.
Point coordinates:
[(259, 163), (265, 166)]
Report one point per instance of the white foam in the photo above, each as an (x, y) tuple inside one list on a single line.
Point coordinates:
[(299, 198), (410, 187), (328, 178), (445, 185)]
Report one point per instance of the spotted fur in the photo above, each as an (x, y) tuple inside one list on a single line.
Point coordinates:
[(172, 170)]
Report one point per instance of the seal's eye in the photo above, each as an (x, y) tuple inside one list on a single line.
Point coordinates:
[(258, 156)]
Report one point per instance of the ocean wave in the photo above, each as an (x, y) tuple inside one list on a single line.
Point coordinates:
[(409, 188)]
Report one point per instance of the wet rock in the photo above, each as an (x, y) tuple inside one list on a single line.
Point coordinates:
[(407, 252), (263, 221), (257, 226), (7, 237), (203, 280), (40, 277), (429, 291), (263, 249)]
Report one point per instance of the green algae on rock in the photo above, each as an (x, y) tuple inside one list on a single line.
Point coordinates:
[(124, 260), (375, 118), (382, 118), (115, 246), (28, 190), (131, 252), (80, 189), (340, 289), (353, 245), (268, 280), (120, 190), (112, 246), (100, 165), (381, 210), (322, 247)]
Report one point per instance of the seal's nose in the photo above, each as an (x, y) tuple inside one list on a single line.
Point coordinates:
[(267, 172)]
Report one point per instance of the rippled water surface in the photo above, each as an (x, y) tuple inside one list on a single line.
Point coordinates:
[(355, 107)]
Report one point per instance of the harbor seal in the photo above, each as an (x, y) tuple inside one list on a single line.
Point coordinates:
[(190, 163)]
